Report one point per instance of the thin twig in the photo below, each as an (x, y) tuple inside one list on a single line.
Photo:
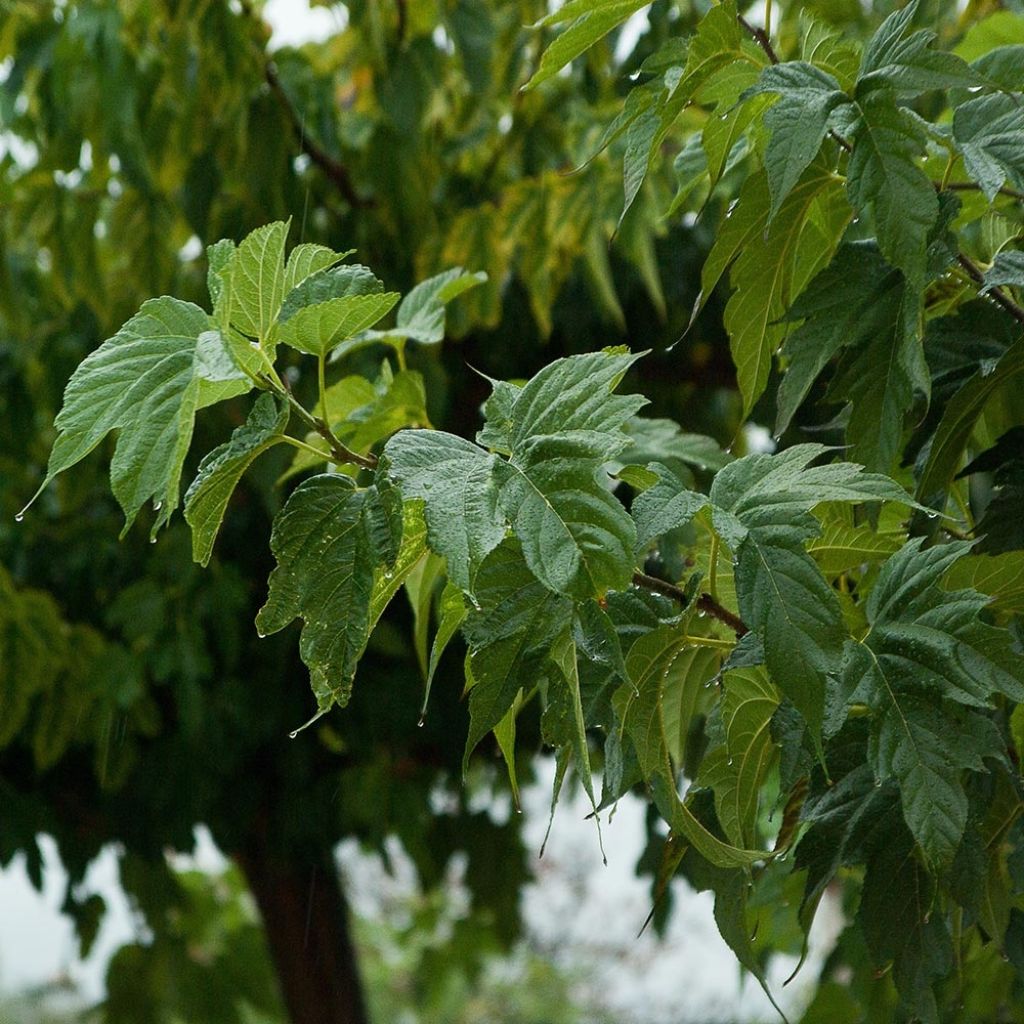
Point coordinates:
[(705, 602), (998, 295), (760, 37), (333, 168), (973, 186)]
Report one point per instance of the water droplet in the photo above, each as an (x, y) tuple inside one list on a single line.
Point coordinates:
[(421, 722), (261, 634), (932, 515), (20, 517), (701, 614), (878, 783), (157, 505), (293, 734), (152, 540), (729, 762), (388, 574)]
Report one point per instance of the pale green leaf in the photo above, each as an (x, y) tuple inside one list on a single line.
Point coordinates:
[(317, 329)]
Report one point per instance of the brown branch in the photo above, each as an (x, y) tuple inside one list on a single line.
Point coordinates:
[(335, 171), (705, 602), (972, 186), (760, 37), (998, 295)]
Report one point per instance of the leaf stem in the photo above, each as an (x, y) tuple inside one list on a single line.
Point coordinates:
[(998, 295), (713, 566), (973, 186), (321, 382), (705, 602), (709, 641), (302, 446)]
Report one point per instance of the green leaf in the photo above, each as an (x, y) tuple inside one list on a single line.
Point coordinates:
[(564, 724), (317, 329), (219, 472), (842, 547), (989, 132), (454, 478), (761, 507), (308, 259), (452, 613), (884, 176), (255, 285), (666, 506), (926, 649), (860, 304), (146, 382), (421, 315), (388, 579), (592, 20), (737, 770), (771, 265), (509, 635), (328, 540), (908, 63), (797, 121), (1001, 577), (961, 415), (505, 734), (330, 283), (897, 919), (565, 425)]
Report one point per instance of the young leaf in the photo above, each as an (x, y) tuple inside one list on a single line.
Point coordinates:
[(255, 285), (592, 20), (147, 383), (329, 283), (317, 329), (908, 63), (219, 472), (308, 259), (509, 636), (421, 314), (328, 540)]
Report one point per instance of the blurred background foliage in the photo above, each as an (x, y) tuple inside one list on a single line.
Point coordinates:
[(135, 700)]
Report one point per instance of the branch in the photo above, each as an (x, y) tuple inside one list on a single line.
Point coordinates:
[(760, 36), (340, 452), (705, 602), (972, 186), (333, 168), (998, 295)]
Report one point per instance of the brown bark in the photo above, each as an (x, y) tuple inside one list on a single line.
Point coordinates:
[(307, 926)]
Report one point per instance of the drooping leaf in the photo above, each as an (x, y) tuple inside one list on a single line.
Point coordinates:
[(885, 178), (962, 413), (736, 770), (147, 383), (219, 472), (454, 478), (797, 121), (509, 635), (328, 540), (591, 21)]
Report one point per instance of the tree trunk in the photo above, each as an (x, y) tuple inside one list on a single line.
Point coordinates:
[(307, 925)]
